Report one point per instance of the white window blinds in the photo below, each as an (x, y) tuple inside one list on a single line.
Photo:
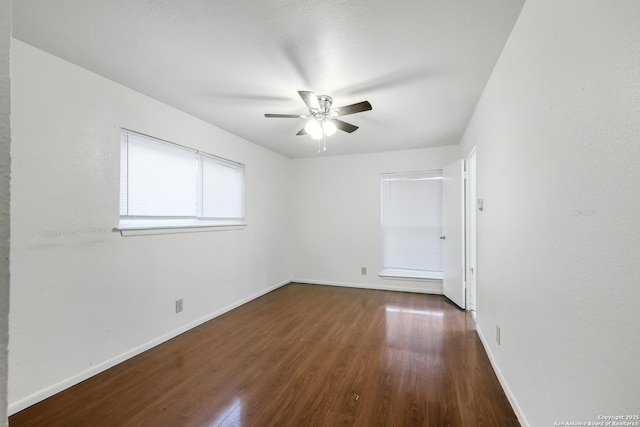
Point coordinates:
[(224, 185), (412, 224), (161, 182)]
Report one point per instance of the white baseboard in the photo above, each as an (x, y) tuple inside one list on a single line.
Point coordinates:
[(94, 370), (370, 286), (503, 381)]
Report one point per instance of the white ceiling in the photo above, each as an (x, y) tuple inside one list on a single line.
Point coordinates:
[(422, 64)]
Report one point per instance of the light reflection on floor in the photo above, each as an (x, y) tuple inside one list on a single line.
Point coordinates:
[(414, 343), (230, 416), (391, 309)]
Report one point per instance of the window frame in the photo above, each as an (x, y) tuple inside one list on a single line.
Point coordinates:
[(169, 224)]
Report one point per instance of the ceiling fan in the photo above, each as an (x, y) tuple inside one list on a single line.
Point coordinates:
[(323, 119)]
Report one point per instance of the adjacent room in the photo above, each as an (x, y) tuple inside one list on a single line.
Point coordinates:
[(320, 213)]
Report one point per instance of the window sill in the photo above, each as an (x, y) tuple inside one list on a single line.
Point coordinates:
[(152, 230), (410, 275)]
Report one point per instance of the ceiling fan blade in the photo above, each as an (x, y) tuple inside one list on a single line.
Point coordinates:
[(284, 116), (310, 99), (302, 132), (344, 126), (353, 108)]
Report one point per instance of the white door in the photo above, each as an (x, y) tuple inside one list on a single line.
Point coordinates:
[(453, 232)]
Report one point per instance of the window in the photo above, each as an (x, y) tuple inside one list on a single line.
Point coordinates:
[(167, 185), (412, 224)]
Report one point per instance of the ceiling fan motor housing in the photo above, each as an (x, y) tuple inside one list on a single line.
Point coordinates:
[(325, 103)]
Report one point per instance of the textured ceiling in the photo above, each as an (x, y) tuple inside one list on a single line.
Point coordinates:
[(422, 64)]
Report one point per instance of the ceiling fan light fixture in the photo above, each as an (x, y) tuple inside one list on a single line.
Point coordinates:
[(329, 127), (313, 128)]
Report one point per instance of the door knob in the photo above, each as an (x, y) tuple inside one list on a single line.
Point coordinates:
[(443, 237)]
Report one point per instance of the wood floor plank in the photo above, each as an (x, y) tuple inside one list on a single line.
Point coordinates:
[(301, 355)]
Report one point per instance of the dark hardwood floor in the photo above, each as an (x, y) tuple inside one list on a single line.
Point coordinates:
[(301, 355)]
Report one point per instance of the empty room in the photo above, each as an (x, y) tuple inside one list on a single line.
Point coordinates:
[(295, 213)]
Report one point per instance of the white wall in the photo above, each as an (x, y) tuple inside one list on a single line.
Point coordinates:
[(5, 174), (83, 297), (558, 136), (335, 206)]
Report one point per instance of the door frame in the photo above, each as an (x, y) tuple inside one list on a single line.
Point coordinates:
[(471, 230)]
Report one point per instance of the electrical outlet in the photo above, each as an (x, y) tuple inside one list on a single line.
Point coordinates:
[(178, 305), (498, 334), (363, 271)]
